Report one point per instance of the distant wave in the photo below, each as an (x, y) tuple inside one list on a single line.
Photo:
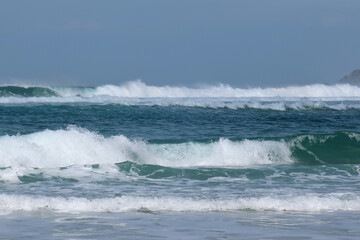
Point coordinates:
[(19, 91), (138, 89), (141, 90), (318, 96)]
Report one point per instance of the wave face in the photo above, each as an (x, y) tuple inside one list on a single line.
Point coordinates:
[(17, 91), (317, 96)]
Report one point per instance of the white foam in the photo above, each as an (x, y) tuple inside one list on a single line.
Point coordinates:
[(339, 96), (303, 203), (223, 153), (276, 104), (140, 89), (60, 148), (76, 146)]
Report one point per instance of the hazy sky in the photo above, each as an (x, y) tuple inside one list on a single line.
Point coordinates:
[(241, 43)]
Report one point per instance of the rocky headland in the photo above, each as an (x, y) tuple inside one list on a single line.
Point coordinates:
[(351, 78)]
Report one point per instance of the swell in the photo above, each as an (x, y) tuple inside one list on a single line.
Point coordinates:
[(339, 148), (77, 146), (19, 91)]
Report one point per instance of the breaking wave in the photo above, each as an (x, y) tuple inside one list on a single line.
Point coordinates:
[(77, 146), (141, 90), (317, 96)]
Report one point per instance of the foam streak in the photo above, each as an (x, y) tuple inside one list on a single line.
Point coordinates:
[(304, 203)]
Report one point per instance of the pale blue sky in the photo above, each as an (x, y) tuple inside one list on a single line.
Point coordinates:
[(241, 43)]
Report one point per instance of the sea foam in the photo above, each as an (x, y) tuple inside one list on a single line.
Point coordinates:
[(276, 104), (279, 203), (77, 146), (140, 89)]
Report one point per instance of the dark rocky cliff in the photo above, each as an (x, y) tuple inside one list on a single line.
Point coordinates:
[(351, 78)]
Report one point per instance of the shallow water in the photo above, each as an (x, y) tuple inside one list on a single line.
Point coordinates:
[(137, 225)]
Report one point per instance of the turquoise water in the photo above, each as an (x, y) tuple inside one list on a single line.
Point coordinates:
[(145, 162)]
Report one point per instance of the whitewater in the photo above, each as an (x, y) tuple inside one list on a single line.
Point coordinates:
[(140, 161), (339, 97), (139, 89)]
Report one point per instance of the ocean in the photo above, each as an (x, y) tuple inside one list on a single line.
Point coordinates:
[(135, 161)]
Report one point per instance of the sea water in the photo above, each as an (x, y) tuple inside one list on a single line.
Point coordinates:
[(144, 162)]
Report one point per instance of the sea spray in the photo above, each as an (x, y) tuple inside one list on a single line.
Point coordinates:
[(142, 90)]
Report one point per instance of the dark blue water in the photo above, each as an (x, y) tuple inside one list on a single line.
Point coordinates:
[(176, 122)]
